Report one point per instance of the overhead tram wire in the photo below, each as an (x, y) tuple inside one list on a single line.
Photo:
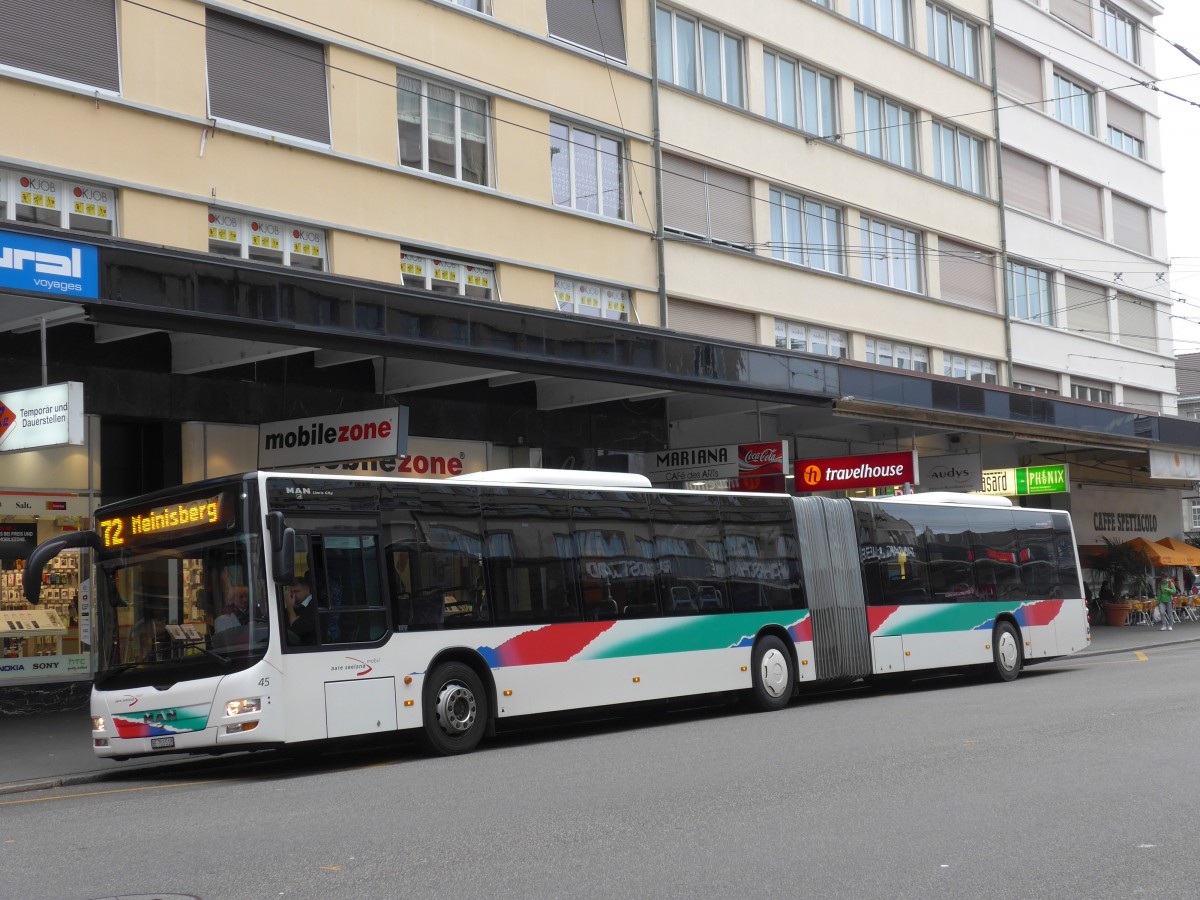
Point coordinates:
[(633, 163)]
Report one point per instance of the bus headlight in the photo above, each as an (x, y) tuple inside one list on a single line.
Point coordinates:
[(97, 723), (240, 707)]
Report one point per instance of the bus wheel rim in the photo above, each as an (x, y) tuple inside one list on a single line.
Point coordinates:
[(1007, 645), (774, 672), (455, 709)]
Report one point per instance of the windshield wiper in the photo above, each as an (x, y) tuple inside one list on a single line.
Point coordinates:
[(205, 650)]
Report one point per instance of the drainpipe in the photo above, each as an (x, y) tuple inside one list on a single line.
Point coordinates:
[(656, 145), (1008, 348)]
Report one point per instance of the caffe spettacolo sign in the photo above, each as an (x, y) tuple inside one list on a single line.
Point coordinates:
[(1120, 515)]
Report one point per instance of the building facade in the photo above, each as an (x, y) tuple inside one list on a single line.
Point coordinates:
[(578, 233)]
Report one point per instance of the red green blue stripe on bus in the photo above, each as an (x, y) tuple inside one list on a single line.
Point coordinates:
[(614, 640), (891, 621), (158, 722)]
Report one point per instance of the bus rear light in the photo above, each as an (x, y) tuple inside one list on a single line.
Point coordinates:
[(245, 705), (98, 723), (101, 742), (237, 727)]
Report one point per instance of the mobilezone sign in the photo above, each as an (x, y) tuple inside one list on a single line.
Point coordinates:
[(40, 265), (370, 434)]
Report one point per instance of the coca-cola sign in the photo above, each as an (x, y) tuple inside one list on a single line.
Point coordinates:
[(757, 460)]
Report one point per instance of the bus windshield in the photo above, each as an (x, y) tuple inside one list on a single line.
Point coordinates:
[(180, 607)]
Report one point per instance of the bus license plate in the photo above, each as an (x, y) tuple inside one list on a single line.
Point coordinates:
[(161, 743)]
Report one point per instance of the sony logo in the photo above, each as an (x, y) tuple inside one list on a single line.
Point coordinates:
[(43, 263)]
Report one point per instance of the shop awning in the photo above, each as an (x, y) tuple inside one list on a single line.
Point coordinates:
[(1158, 554), (1191, 553)]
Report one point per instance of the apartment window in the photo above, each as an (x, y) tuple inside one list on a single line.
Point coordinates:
[(958, 159), (476, 5), (1126, 126), (892, 255), (806, 232), (799, 96), (1120, 32), (1073, 104), (1195, 504), (1034, 388), (700, 57), (888, 17), (709, 203), (429, 272), (1087, 308), (442, 130), (1029, 297), (594, 24), (899, 356), (585, 298), (810, 339), (1131, 224), (75, 40), (969, 368), (587, 170), (886, 129), (953, 41), (1091, 393), (40, 199), (1026, 183), (266, 78), (1126, 143), (266, 240)]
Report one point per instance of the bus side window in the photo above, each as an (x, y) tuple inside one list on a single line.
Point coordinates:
[(616, 554), (689, 556), (762, 553), (529, 555)]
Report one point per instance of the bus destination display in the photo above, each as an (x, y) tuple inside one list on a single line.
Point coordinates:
[(164, 522)]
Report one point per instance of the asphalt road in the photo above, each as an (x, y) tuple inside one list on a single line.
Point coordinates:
[(1079, 780)]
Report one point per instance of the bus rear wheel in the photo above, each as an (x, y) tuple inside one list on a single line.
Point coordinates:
[(771, 674), (1006, 651), (455, 710)]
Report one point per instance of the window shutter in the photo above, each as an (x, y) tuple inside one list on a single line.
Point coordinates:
[(729, 207), (1125, 117), (684, 206), (1026, 183), (968, 275), (1131, 224), (266, 78), (1087, 308), (1135, 321), (1036, 377), (595, 25), (71, 39), (1018, 72), (1080, 204), (713, 321), (1141, 399), (1074, 12)]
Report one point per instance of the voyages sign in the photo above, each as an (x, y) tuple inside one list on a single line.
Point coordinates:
[(839, 473)]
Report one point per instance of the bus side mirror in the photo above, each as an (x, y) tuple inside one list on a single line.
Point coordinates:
[(283, 548), (31, 579)]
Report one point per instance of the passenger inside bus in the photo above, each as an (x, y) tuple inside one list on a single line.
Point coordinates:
[(301, 613)]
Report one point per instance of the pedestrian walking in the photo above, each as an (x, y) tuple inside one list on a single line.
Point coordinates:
[(1166, 600)]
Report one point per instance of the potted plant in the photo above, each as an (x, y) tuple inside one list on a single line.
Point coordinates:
[(1123, 566)]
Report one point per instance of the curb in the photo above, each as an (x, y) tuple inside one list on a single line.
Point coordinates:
[(1150, 646)]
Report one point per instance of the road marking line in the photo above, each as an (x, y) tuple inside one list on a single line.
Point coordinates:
[(148, 787), (1142, 656)]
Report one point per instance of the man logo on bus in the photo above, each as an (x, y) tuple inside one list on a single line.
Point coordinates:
[(812, 475)]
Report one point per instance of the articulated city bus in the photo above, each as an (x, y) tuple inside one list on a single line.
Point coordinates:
[(270, 609)]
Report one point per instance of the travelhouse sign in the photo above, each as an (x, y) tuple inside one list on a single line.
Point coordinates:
[(838, 473)]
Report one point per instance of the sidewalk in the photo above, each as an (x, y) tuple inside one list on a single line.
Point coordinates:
[(49, 749)]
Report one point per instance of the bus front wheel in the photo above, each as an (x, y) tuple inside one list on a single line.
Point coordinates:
[(455, 710), (771, 673), (1006, 651)]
